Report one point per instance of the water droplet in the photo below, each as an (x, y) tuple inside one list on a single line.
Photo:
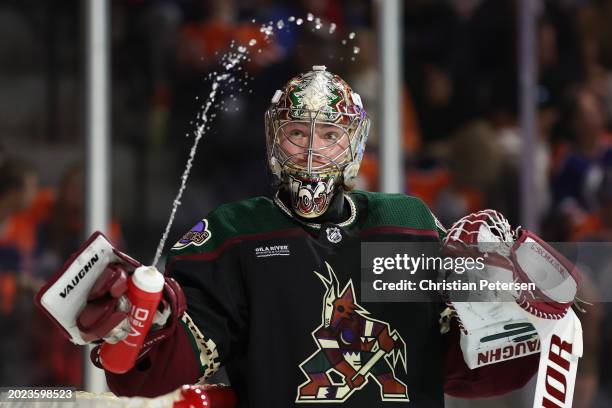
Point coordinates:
[(291, 19), (332, 28), (252, 42), (352, 58), (309, 17), (299, 21), (343, 42), (356, 50), (280, 24), (242, 49), (267, 30), (351, 35)]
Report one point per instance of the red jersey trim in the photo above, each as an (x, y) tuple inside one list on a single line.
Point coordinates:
[(207, 256), (389, 229)]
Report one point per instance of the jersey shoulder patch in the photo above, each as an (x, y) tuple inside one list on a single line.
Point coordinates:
[(230, 222), (197, 236)]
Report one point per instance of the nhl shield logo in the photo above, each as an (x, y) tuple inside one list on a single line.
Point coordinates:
[(334, 235)]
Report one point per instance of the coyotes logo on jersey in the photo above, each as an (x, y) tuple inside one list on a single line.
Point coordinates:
[(353, 345)]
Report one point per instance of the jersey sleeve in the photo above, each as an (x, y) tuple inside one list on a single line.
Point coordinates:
[(206, 263), (217, 313)]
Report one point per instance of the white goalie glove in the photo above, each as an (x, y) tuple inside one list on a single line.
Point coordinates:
[(499, 326)]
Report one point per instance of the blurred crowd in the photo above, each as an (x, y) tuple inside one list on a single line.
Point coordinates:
[(460, 130)]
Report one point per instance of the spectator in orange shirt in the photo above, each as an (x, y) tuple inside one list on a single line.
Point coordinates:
[(18, 184), (62, 232)]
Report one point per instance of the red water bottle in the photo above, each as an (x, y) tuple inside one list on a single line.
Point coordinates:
[(144, 292)]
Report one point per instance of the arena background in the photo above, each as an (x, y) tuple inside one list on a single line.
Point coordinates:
[(501, 104)]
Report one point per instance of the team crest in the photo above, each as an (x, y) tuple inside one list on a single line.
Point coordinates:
[(334, 235), (198, 236), (352, 350)]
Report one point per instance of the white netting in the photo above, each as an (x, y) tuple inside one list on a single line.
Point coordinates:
[(487, 230)]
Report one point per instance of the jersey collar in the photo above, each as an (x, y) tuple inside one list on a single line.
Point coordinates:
[(352, 217)]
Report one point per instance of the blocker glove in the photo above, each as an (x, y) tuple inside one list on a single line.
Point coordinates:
[(87, 297)]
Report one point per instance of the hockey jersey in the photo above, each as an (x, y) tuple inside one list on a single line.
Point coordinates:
[(277, 302)]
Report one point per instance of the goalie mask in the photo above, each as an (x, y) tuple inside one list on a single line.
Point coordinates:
[(316, 129)]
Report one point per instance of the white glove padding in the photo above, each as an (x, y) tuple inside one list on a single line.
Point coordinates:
[(493, 328), (65, 295)]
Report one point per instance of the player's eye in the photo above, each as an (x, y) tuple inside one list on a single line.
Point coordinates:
[(341, 309), (333, 136), (296, 133)]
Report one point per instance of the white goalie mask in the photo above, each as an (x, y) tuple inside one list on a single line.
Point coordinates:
[(316, 130)]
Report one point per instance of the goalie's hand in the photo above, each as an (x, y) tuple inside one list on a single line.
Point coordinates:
[(107, 306), (86, 297), (491, 321), (517, 256), (105, 315)]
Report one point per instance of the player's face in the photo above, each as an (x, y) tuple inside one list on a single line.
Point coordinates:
[(328, 144)]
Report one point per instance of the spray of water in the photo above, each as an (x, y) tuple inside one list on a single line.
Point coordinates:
[(231, 64), (230, 61)]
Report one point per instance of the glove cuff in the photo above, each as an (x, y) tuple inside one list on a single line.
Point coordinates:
[(556, 278)]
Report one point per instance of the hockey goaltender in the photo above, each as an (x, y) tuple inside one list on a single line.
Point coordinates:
[(269, 287)]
